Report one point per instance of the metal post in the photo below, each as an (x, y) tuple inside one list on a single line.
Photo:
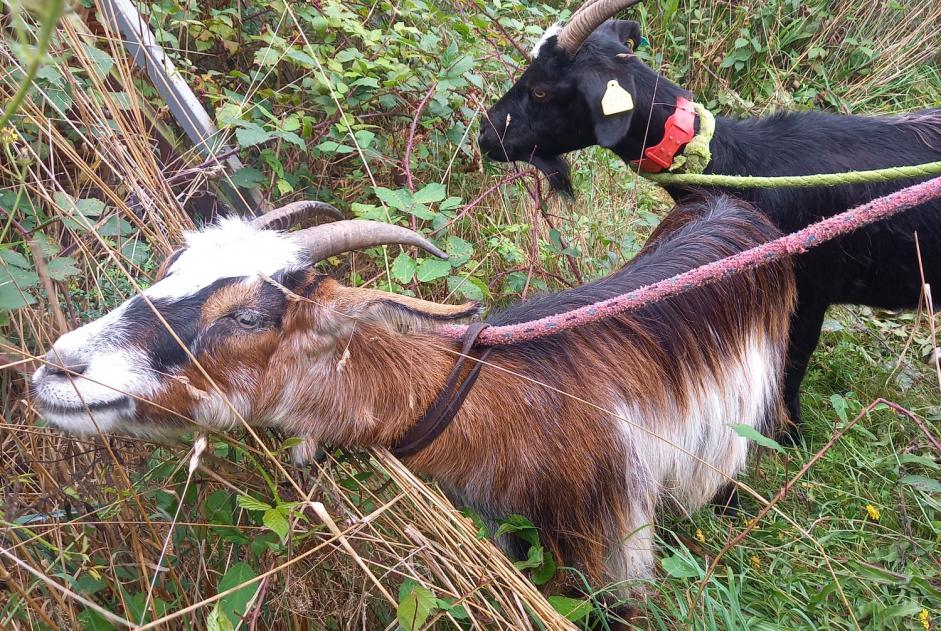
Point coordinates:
[(184, 106)]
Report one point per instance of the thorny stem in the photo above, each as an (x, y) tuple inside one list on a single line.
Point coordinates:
[(410, 143)]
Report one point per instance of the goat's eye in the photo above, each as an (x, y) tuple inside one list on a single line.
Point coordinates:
[(247, 319), (540, 94)]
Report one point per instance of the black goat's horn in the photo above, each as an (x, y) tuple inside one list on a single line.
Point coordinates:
[(586, 19), (289, 216), (353, 234)]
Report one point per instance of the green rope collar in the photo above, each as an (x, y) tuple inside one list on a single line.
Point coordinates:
[(695, 156), (687, 168)]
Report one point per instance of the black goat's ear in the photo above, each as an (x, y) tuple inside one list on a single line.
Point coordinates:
[(609, 97), (625, 31)]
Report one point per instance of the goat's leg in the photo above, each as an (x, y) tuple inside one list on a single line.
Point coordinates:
[(633, 558), (804, 335)]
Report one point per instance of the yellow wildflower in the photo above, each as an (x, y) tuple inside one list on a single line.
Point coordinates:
[(755, 561), (923, 618), (8, 135), (701, 538), (873, 512)]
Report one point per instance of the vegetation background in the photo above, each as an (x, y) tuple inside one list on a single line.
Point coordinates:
[(374, 106)]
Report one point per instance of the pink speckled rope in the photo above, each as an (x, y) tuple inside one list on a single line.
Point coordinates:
[(788, 245)]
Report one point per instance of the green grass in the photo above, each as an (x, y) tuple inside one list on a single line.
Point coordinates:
[(820, 561)]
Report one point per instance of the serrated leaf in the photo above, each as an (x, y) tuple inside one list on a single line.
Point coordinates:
[(752, 434), (544, 573), (459, 251), (920, 482), (471, 288), (415, 605), (432, 269), (250, 503), (248, 177), (449, 203), (422, 212), (519, 526), (400, 199), (61, 268), (218, 621), (91, 620), (291, 137), (572, 608), (430, 193), (251, 134), (277, 522), (534, 558), (14, 258), (17, 277), (234, 605), (403, 268), (679, 567)]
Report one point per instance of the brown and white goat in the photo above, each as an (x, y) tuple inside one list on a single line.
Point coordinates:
[(588, 432)]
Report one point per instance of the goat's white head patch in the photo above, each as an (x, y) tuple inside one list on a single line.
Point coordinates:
[(97, 375)]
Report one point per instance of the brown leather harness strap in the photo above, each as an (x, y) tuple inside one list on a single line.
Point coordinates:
[(445, 406)]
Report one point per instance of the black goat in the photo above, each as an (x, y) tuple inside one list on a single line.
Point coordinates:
[(556, 107)]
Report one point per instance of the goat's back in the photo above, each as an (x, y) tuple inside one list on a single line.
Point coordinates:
[(672, 375)]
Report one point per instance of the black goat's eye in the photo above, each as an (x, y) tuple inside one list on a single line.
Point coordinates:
[(540, 95), (247, 319)]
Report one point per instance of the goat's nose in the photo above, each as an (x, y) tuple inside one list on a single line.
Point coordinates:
[(487, 140), (63, 363)]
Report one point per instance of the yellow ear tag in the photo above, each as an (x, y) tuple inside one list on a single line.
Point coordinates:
[(616, 99)]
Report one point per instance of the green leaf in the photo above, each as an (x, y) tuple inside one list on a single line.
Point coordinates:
[(430, 193), (920, 482), (839, 406), (400, 199), (234, 605), (90, 620), (250, 503), (470, 287), (572, 608), (432, 269), (534, 558), (422, 212), (459, 251), (276, 521), (415, 605), (519, 526), (403, 268), (449, 203), (11, 297), (251, 134), (544, 573), (14, 258), (102, 63), (248, 177), (218, 621), (679, 567), (61, 268), (752, 434)]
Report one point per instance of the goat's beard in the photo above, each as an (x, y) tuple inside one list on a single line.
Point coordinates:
[(556, 170)]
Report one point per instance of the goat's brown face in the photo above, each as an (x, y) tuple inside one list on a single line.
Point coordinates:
[(237, 327)]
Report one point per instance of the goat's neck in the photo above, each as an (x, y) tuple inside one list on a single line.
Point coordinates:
[(653, 105)]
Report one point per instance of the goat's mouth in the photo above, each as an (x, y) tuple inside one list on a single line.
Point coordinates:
[(52, 409), (556, 170)]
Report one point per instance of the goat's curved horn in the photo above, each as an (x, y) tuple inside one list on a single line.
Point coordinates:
[(289, 216), (586, 19), (353, 234)]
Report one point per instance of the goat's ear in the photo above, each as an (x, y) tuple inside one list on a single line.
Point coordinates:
[(400, 313), (609, 94), (625, 31)]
